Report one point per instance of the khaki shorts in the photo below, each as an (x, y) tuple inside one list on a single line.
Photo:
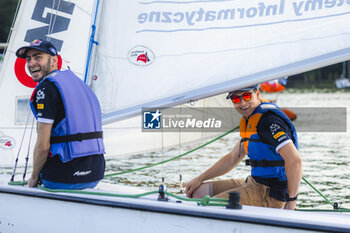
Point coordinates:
[(252, 193)]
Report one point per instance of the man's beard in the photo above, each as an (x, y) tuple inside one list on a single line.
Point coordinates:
[(46, 69)]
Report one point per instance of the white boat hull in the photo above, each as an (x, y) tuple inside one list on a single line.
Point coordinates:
[(342, 83), (33, 210)]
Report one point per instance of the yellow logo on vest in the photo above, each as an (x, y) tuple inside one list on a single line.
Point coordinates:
[(277, 135), (40, 106)]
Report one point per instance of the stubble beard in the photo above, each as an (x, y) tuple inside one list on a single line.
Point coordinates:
[(46, 69)]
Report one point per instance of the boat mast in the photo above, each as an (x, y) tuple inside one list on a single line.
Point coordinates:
[(91, 43)]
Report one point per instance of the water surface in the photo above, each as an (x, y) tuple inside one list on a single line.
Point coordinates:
[(326, 157)]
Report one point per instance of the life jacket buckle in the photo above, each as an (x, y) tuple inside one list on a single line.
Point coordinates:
[(79, 137)]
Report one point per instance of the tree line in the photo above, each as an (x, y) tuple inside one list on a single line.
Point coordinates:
[(323, 77), (7, 12)]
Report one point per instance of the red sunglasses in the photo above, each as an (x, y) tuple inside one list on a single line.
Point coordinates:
[(236, 99)]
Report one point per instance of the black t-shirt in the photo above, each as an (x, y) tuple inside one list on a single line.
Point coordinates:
[(50, 109), (48, 104), (273, 130)]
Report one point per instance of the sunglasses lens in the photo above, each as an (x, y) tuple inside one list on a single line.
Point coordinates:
[(236, 99), (247, 96)]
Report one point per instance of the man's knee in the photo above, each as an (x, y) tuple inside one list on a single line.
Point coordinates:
[(203, 190)]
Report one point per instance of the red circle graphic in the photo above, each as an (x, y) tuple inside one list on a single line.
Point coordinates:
[(23, 77)]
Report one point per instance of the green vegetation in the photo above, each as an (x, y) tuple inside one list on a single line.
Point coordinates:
[(323, 78), (7, 12)]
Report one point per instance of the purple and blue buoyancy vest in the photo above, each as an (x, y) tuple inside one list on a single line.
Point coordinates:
[(79, 134)]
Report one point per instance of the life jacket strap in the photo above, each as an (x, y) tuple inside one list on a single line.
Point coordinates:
[(264, 163), (250, 139), (76, 137)]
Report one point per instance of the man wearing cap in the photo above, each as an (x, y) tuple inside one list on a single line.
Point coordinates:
[(269, 139), (69, 150)]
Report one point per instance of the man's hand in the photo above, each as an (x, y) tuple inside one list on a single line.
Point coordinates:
[(192, 186), (33, 182), (290, 205)]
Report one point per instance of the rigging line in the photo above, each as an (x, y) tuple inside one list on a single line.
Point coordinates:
[(19, 150), (313, 187), (54, 20), (162, 135), (171, 159), (27, 157), (12, 25), (50, 23), (179, 160)]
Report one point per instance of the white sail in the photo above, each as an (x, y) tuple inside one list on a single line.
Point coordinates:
[(164, 53), (67, 25), (126, 137)]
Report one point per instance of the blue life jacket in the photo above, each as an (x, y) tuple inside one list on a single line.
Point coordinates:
[(265, 161), (79, 134)]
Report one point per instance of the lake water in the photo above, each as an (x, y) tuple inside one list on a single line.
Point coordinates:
[(326, 156)]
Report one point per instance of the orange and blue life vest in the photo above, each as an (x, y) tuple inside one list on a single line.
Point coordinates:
[(265, 161)]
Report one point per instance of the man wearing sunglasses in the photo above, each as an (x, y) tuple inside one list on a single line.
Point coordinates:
[(269, 139)]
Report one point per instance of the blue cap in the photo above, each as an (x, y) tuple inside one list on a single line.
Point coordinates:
[(243, 89), (38, 44)]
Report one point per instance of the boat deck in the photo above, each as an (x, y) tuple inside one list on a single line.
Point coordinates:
[(262, 217)]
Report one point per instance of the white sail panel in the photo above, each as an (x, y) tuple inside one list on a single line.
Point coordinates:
[(67, 25), (126, 137), (196, 49)]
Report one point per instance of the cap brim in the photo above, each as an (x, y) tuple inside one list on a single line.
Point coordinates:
[(22, 52), (240, 90)]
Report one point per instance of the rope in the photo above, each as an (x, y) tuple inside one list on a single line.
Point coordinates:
[(28, 151), (53, 19), (174, 158), (335, 206), (207, 200), (19, 150), (12, 26), (22, 183), (313, 187), (204, 201)]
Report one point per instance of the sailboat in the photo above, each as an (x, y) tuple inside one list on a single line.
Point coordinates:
[(344, 80), (160, 54), (60, 22), (277, 86)]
